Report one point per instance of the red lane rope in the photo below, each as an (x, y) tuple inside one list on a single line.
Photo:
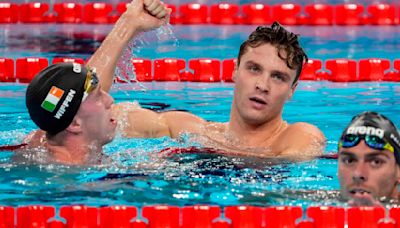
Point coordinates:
[(12, 147)]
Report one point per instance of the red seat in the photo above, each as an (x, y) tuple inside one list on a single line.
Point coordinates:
[(7, 70), (7, 216), (116, 216), (97, 13), (286, 14), (34, 216), (68, 12), (349, 14), (205, 70), (228, 66), (67, 60), (80, 216), (326, 216), (244, 216), (224, 13), (33, 12), (168, 69), (199, 216), (373, 69), (161, 216), (364, 216), (309, 71), (27, 68), (141, 71), (8, 12), (382, 14), (319, 14), (194, 13), (342, 70), (284, 216), (255, 13)]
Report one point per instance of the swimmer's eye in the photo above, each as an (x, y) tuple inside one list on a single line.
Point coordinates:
[(279, 77), (377, 162), (347, 160), (254, 68)]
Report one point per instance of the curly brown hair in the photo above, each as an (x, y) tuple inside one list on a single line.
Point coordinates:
[(283, 40)]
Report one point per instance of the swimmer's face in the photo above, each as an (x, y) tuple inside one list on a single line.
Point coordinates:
[(364, 172), (263, 82), (97, 122)]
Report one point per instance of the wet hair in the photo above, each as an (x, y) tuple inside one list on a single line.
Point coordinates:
[(283, 40)]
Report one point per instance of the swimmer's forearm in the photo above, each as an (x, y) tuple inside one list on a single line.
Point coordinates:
[(139, 16), (107, 55)]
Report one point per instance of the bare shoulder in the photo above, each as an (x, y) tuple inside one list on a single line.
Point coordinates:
[(306, 130), (302, 141), (35, 139)]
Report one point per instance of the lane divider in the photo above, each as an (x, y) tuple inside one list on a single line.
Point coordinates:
[(197, 216), (214, 70), (196, 13)]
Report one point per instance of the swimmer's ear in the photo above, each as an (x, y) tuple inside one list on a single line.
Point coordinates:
[(234, 73), (294, 86), (398, 173), (75, 127)]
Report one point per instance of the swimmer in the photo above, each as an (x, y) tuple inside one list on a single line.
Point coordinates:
[(266, 75), (369, 159), (69, 103)]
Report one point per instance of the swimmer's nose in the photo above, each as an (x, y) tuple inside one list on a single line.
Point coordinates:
[(360, 174), (262, 84), (109, 101)]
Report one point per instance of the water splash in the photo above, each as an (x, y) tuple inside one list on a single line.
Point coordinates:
[(165, 33), (125, 70)]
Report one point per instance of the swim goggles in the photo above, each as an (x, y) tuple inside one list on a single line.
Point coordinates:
[(374, 142), (91, 82)]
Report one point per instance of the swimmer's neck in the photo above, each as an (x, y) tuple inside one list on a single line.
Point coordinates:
[(254, 134), (73, 151)]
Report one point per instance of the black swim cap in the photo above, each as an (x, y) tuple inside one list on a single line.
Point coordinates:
[(54, 96), (375, 124)]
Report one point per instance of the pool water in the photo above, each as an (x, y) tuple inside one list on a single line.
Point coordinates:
[(136, 175)]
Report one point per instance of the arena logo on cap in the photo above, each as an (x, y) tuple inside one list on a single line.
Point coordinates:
[(52, 99), (363, 130)]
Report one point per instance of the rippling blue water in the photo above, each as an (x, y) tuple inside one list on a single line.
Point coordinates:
[(136, 176)]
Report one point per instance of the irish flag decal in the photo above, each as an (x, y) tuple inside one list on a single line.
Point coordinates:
[(52, 99)]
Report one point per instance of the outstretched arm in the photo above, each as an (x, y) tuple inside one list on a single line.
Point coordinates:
[(139, 122), (140, 16)]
